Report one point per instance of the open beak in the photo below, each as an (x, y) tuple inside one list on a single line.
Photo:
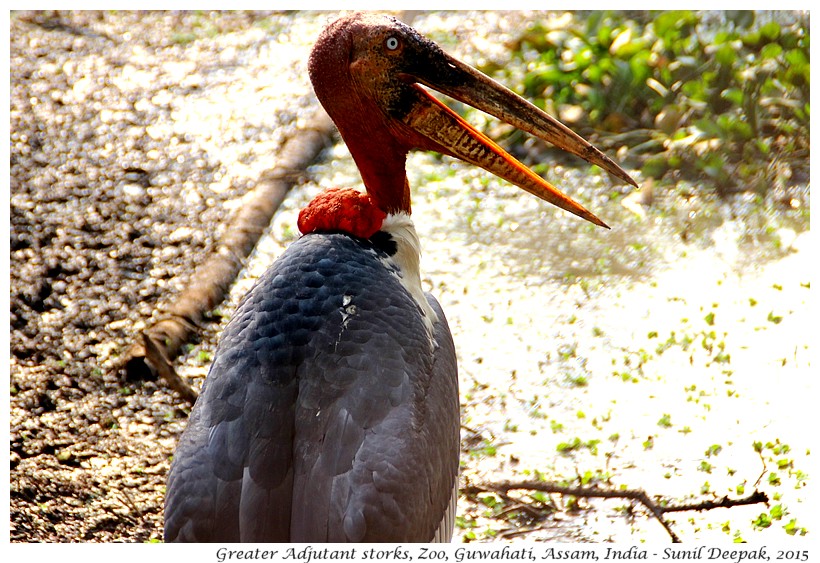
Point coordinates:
[(452, 135)]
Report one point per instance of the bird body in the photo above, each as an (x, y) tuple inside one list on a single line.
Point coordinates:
[(331, 410), (315, 412)]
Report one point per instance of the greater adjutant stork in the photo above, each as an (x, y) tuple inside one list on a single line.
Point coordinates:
[(331, 410)]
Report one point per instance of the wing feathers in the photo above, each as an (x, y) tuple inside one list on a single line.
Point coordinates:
[(330, 412)]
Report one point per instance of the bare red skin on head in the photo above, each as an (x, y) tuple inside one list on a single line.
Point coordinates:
[(342, 210)]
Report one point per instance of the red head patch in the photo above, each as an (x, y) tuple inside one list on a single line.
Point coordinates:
[(342, 210)]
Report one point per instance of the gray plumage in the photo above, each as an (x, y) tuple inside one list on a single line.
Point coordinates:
[(329, 413)]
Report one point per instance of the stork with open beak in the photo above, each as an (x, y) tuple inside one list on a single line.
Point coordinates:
[(331, 410)]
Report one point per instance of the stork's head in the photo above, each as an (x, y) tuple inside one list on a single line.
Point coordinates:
[(367, 71)]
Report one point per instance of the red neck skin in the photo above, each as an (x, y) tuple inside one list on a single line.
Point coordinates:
[(378, 153), (342, 210), (381, 163)]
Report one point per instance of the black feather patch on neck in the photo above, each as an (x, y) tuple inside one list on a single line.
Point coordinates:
[(384, 242)]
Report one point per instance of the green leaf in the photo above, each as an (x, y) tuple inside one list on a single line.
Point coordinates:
[(762, 521), (771, 51), (770, 31), (772, 318)]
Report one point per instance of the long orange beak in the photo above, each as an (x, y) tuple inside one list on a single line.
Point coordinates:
[(370, 73), (434, 120)]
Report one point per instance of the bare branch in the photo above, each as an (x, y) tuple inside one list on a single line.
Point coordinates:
[(657, 508), (726, 502)]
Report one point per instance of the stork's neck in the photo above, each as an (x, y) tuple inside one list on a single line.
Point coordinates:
[(378, 152), (342, 210), (349, 211), (408, 260), (381, 163)]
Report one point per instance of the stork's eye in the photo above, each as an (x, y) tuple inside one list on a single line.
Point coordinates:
[(392, 43)]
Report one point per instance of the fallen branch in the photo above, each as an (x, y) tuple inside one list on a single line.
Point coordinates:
[(208, 286), (726, 502), (658, 509), (155, 356)]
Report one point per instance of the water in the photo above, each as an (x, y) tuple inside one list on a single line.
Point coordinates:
[(626, 337)]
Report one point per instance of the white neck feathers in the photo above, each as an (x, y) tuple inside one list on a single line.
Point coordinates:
[(407, 258)]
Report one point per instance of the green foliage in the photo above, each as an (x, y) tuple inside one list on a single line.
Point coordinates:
[(716, 98), (762, 521), (577, 444), (713, 450), (772, 318), (792, 528), (203, 357), (484, 449)]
